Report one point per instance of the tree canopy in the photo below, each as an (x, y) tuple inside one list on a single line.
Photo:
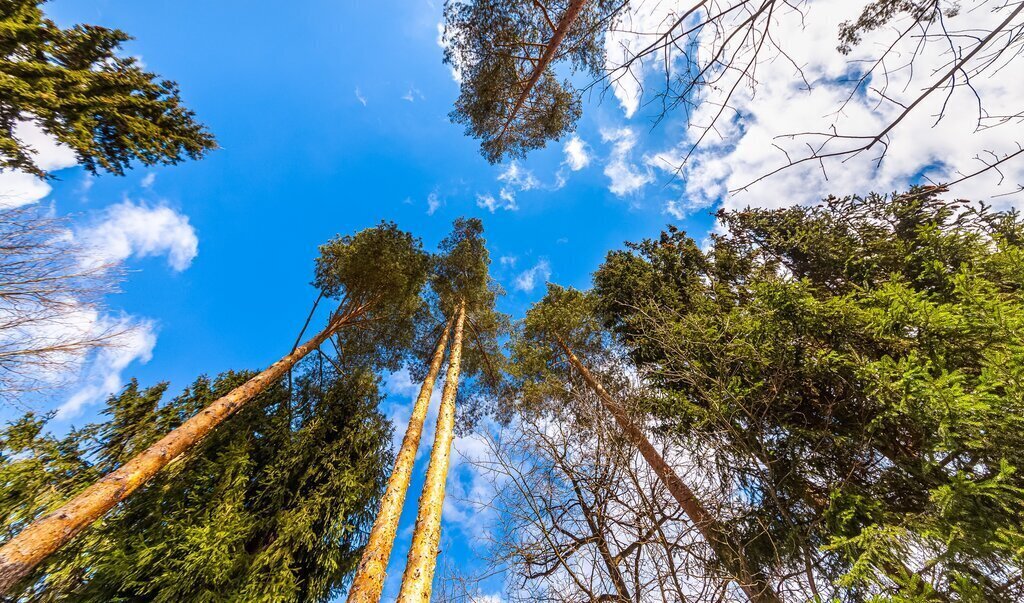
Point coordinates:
[(855, 367), (74, 85), (505, 53), (273, 507)]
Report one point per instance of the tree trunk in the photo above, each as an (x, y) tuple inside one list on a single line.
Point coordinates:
[(753, 584), (568, 18), (369, 580), (20, 555), (419, 570)]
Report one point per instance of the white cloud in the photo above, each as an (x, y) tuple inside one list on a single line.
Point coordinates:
[(506, 200), (576, 155), (626, 177), (638, 27), (18, 188), (148, 180), (433, 203), (508, 260), (517, 176), (412, 94), (128, 229), (755, 142), (360, 97), (456, 70), (528, 279), (102, 376), (675, 209)]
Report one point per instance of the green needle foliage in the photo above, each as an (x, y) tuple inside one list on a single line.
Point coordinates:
[(858, 369), (73, 84), (462, 273), (272, 507), (510, 98)]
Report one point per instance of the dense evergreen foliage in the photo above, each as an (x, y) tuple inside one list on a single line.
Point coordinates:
[(74, 85), (273, 506), (856, 369)]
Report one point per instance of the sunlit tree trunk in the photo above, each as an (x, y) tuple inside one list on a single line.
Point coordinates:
[(419, 570), (20, 555), (369, 580), (729, 553)]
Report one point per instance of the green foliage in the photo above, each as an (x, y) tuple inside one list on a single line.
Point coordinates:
[(377, 276), (274, 506), (857, 368), (461, 274), (496, 46), (73, 85)]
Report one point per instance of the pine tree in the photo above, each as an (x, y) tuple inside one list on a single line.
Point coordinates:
[(565, 322), (73, 84), (505, 52), (369, 580), (272, 508), (465, 293), (856, 365), (376, 275)]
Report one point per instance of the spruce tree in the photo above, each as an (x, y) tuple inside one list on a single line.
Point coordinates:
[(74, 85), (857, 366), (274, 507)]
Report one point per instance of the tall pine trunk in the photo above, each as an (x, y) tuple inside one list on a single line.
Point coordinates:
[(419, 570), (729, 553), (20, 555), (369, 580)]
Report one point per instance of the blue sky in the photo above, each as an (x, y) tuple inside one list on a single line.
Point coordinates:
[(332, 116)]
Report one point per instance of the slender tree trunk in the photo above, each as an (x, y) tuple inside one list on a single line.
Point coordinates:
[(369, 580), (20, 555), (564, 23), (419, 570), (753, 584)]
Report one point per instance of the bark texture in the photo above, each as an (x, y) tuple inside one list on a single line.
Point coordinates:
[(20, 555), (369, 581), (753, 584), (418, 579)]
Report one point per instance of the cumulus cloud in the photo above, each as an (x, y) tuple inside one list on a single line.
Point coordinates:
[(756, 137), (626, 177), (19, 188), (128, 229), (576, 155), (528, 279)]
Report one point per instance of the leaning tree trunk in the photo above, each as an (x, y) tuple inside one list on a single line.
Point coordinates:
[(369, 580), (419, 570), (20, 555), (753, 584)]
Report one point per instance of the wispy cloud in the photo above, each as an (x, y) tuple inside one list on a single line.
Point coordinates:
[(506, 200), (360, 97), (434, 202), (528, 279)]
